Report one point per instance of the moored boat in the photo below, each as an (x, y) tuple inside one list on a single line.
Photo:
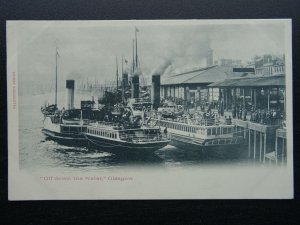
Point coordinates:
[(64, 126), (67, 127), (207, 134), (65, 131), (114, 137)]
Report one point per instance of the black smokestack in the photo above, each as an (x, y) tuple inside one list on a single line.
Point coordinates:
[(155, 92), (70, 84), (124, 84), (135, 85), (125, 80)]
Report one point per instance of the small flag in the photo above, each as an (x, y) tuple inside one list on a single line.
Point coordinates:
[(136, 30), (57, 53), (126, 61)]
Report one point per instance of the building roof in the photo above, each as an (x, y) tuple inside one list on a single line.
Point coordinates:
[(253, 81), (200, 76)]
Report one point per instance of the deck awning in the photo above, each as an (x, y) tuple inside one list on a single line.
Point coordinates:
[(255, 81)]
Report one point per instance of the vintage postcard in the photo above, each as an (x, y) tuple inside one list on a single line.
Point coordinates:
[(162, 109)]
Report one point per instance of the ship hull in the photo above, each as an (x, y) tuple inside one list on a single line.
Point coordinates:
[(191, 143), (66, 139), (119, 146)]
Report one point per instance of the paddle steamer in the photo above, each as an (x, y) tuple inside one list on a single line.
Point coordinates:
[(112, 136), (206, 133)]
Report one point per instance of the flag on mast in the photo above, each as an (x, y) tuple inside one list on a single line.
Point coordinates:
[(57, 52), (136, 29)]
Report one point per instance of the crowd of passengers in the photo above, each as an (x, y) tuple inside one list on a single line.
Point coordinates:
[(238, 111)]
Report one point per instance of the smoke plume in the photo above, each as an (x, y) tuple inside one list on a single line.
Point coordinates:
[(162, 68)]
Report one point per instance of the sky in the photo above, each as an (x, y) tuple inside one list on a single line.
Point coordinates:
[(88, 49)]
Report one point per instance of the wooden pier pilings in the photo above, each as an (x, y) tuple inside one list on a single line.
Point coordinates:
[(280, 147), (264, 142)]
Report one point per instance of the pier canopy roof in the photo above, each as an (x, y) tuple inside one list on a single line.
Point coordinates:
[(252, 81), (206, 75)]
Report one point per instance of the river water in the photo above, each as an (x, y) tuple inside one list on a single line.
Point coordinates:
[(36, 151)]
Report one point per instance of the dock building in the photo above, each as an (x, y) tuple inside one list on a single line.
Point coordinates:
[(191, 86), (257, 104), (253, 96)]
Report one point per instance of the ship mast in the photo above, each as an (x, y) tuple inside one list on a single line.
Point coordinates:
[(133, 63), (122, 64), (122, 80), (56, 54), (117, 73), (136, 56)]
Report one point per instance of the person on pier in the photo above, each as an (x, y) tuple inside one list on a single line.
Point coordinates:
[(233, 110)]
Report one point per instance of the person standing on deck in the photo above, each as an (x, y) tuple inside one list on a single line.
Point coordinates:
[(166, 131)]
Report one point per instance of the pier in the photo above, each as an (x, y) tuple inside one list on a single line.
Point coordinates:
[(253, 99), (258, 112), (260, 141)]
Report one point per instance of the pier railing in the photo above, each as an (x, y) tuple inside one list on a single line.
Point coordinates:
[(117, 126), (112, 124), (144, 138)]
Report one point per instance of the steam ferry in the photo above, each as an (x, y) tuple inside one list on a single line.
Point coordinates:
[(204, 135), (67, 127), (64, 126), (65, 131), (112, 136)]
